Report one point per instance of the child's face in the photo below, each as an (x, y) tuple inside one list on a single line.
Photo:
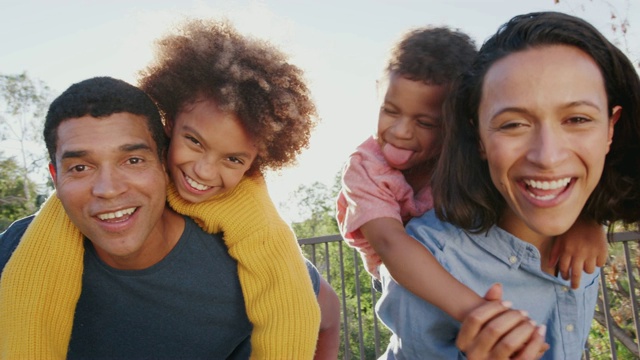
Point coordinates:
[(209, 152), (544, 130), (409, 123)]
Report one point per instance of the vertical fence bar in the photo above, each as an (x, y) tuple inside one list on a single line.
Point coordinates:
[(607, 314), (347, 350), (376, 330), (356, 265), (632, 292)]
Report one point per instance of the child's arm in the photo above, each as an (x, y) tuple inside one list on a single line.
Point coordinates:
[(583, 247), (41, 285), (415, 268), (278, 294)]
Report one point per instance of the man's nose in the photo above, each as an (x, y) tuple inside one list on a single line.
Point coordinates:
[(108, 183)]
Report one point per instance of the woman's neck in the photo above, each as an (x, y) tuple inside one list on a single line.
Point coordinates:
[(515, 226)]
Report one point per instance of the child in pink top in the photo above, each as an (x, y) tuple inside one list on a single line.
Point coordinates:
[(386, 180)]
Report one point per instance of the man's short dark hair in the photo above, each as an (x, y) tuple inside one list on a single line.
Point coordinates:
[(100, 97)]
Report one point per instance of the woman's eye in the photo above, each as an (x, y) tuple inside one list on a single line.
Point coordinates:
[(511, 125), (579, 120), (193, 140)]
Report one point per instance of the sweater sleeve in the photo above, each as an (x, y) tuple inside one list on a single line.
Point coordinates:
[(40, 287), (278, 293)]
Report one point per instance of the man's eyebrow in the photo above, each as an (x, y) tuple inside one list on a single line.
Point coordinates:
[(71, 154), (135, 147), (74, 154)]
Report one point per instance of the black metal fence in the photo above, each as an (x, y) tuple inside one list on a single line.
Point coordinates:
[(616, 325)]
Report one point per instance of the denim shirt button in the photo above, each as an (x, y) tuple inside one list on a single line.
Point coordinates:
[(569, 327), (513, 259), (565, 289)]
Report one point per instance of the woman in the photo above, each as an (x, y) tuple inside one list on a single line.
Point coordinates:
[(542, 129)]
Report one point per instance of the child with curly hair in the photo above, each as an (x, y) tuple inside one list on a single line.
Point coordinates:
[(233, 107), (386, 181)]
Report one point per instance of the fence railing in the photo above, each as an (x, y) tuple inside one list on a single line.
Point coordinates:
[(616, 325)]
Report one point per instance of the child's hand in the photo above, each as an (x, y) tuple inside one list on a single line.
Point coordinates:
[(583, 247), (494, 331)]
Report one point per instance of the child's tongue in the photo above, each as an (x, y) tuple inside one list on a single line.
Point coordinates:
[(396, 156)]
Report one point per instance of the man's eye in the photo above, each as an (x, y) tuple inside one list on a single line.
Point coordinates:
[(78, 168), (135, 160)]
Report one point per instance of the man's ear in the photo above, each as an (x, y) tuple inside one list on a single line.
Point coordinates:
[(53, 173)]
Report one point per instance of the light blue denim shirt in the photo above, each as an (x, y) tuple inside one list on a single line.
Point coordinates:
[(422, 331)]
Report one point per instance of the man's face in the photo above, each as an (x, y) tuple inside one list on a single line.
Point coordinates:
[(112, 185)]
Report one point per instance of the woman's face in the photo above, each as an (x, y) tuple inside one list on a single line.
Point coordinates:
[(544, 131)]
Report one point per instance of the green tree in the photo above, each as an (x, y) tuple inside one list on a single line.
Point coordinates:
[(13, 204), (23, 105)]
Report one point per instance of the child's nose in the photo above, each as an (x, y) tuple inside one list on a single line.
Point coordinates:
[(206, 168), (403, 128)]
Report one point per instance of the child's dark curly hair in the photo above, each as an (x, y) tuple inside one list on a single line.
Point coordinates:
[(433, 55), (209, 59)]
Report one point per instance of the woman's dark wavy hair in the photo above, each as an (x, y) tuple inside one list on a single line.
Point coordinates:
[(208, 59), (464, 194)]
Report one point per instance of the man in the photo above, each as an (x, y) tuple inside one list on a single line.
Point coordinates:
[(154, 284)]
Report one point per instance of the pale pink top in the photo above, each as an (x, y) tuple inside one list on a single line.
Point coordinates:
[(371, 189)]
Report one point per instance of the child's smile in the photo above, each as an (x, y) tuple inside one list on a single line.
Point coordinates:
[(209, 151)]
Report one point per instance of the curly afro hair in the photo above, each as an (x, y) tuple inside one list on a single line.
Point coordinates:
[(209, 59), (433, 55)]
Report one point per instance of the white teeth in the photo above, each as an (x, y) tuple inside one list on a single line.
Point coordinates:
[(117, 214), (196, 185), (548, 185)]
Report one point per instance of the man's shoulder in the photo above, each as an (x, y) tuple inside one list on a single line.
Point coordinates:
[(10, 238)]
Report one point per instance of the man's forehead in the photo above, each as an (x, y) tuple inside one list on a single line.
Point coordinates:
[(122, 131)]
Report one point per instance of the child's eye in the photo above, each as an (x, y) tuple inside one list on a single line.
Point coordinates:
[(428, 124), (236, 160), (389, 111)]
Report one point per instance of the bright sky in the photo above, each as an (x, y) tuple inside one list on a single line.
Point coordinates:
[(341, 45)]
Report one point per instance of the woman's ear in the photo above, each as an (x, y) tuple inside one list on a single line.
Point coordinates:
[(481, 150), (615, 116), (483, 153)]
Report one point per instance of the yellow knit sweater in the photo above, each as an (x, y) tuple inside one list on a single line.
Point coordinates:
[(41, 283)]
